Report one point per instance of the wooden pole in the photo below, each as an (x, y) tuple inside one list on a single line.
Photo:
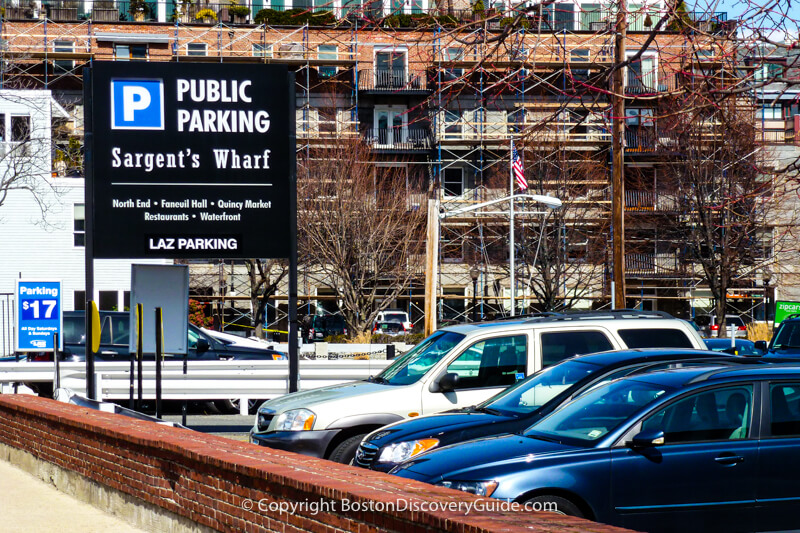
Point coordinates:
[(618, 170), (431, 266)]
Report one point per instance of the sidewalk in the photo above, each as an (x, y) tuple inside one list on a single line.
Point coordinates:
[(28, 504)]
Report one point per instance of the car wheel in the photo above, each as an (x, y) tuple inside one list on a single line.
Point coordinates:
[(555, 504), (232, 406), (345, 451)]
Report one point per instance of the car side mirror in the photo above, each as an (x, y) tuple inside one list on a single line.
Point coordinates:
[(448, 382), (761, 345), (201, 346), (647, 439)]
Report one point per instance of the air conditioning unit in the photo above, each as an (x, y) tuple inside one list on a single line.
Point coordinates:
[(602, 25)]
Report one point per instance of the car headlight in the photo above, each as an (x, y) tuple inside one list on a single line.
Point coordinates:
[(479, 488), (403, 451), (295, 420)]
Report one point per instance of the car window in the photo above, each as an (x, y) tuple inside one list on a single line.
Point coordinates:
[(541, 387), (394, 317), (788, 336), (557, 346), (655, 338), (73, 330), (785, 410), (711, 415), (121, 329), (105, 330), (496, 362), (592, 416), (412, 365)]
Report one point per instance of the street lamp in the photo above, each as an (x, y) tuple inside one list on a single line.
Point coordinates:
[(474, 272)]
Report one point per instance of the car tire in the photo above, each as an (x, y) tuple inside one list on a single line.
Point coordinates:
[(563, 505), (232, 406), (345, 451)]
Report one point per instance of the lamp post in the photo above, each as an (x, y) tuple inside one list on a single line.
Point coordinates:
[(474, 273)]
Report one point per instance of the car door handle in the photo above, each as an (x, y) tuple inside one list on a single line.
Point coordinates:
[(729, 459)]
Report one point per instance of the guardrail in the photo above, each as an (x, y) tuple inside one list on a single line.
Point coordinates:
[(204, 380)]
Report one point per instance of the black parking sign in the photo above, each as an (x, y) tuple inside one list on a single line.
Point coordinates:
[(190, 160)]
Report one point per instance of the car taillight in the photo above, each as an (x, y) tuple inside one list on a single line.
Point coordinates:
[(374, 328), (742, 328), (345, 331), (41, 357), (715, 327)]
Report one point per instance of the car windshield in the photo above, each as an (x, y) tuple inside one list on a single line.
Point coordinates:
[(412, 365), (590, 417), (788, 337), (529, 395)]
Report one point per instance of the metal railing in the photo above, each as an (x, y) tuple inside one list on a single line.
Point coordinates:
[(652, 264), (400, 138), (392, 80), (555, 17)]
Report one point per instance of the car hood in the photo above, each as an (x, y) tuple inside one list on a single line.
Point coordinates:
[(469, 460), (447, 427), (326, 395)]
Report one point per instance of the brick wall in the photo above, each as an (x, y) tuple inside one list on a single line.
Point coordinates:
[(207, 479)]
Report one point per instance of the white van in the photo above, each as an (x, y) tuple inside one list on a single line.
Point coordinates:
[(455, 367)]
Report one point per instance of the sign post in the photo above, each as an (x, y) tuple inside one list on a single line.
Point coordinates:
[(39, 315)]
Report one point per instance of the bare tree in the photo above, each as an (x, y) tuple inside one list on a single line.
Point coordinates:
[(265, 277), (562, 254), (361, 228)]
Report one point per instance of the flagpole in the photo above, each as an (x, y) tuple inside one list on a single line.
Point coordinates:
[(511, 231)]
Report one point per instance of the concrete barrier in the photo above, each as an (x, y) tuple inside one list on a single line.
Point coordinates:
[(175, 479)]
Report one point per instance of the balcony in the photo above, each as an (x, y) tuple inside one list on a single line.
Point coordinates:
[(399, 139), (396, 80), (649, 202)]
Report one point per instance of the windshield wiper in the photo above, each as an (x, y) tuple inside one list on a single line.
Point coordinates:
[(542, 437), (487, 410)]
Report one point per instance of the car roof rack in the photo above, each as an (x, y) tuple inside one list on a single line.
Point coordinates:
[(543, 314), (611, 314)]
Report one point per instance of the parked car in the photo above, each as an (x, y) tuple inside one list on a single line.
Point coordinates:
[(786, 341), (735, 321), (318, 327), (395, 315), (738, 347), (115, 342), (388, 328), (454, 367), (695, 449), (518, 407)]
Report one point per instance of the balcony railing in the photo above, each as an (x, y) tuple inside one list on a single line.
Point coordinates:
[(554, 17), (399, 139), (652, 264), (392, 80)]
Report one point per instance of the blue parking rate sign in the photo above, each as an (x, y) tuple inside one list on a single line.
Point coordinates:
[(137, 104), (38, 315)]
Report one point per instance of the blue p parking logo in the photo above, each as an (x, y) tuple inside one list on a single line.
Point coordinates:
[(137, 104)]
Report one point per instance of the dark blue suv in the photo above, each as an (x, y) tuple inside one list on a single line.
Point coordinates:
[(693, 449), (786, 341), (518, 407)]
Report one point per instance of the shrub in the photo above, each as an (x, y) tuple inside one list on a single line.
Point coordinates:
[(759, 331), (239, 11), (398, 21), (205, 14), (293, 17)]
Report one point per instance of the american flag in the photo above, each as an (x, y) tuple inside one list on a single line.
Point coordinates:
[(517, 169)]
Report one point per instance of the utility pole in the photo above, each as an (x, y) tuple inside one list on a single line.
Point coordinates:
[(431, 266), (618, 171)]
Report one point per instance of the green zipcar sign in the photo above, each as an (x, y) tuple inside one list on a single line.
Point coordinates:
[(784, 309)]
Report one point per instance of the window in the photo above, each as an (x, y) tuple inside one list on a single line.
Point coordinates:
[(79, 226), (262, 50), (109, 300), (390, 125), (126, 300), (2, 127), (453, 181), (592, 17), (580, 55), (197, 49), (63, 65), (390, 69), (719, 414), (655, 338), (642, 76), (127, 52), (452, 125), (453, 54), (557, 346), (78, 304), (497, 362), (768, 112), (565, 17), (20, 128), (785, 410), (327, 52)]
